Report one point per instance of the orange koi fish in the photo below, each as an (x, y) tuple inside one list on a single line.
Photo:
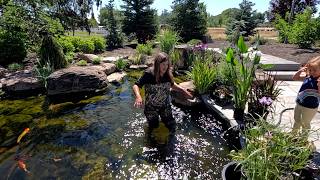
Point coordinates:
[(22, 166), (23, 134)]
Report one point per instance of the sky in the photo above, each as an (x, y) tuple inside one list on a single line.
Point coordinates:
[(214, 7)]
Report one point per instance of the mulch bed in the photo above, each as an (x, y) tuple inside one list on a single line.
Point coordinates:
[(286, 51)]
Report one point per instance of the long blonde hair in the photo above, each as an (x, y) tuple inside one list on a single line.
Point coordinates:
[(160, 58)]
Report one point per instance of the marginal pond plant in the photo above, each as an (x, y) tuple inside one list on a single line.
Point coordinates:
[(242, 65), (271, 153)]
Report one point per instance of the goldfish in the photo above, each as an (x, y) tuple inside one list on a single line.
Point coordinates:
[(22, 166), (23, 134)]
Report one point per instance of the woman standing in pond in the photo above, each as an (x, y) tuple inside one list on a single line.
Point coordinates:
[(158, 81)]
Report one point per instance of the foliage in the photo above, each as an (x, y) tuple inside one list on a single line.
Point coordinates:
[(144, 48), (86, 46), (223, 18), (138, 59), (165, 17), (93, 22), (189, 17), (96, 60), (99, 43), (114, 38), (104, 14), (194, 42), (121, 64), (43, 72), (15, 67), (271, 153), (175, 56), (265, 88), (82, 63), (139, 19), (243, 23), (66, 44), (224, 73), (258, 40), (52, 52), (242, 70), (304, 30), (69, 57), (282, 7), (168, 39), (203, 72), (12, 47)]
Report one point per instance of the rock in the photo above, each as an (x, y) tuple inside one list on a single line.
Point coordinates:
[(88, 57), (3, 71), (116, 77), (113, 59), (138, 67), (107, 68), (75, 80), (21, 83), (178, 98)]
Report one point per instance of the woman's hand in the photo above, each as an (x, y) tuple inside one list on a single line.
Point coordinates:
[(138, 102), (187, 94)]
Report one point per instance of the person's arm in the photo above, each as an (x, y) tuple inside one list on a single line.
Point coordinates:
[(138, 102), (298, 76), (178, 88)]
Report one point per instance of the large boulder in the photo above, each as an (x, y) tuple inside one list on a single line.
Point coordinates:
[(21, 83), (107, 68), (87, 57), (76, 80)]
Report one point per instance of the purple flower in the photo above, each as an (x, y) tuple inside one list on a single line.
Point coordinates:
[(265, 101)]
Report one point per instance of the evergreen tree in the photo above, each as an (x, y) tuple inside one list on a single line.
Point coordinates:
[(139, 19), (243, 22), (189, 17), (114, 38), (282, 7)]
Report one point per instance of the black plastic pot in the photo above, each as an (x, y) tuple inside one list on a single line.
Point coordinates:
[(238, 114), (231, 171)]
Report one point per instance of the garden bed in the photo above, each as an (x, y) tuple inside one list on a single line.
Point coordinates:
[(286, 51)]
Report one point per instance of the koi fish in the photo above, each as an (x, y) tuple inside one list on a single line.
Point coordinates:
[(22, 166), (23, 134)]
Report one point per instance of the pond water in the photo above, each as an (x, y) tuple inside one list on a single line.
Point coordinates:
[(104, 138)]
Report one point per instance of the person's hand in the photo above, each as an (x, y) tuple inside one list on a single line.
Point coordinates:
[(138, 102), (187, 94)]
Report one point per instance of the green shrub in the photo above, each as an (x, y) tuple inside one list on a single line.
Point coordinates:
[(86, 46), (76, 41), (43, 72), (121, 64), (96, 60), (138, 59), (304, 30), (99, 43), (144, 49), (67, 45), (203, 74), (82, 63), (12, 47), (175, 56), (52, 52), (15, 67), (168, 40), (69, 57), (194, 42)]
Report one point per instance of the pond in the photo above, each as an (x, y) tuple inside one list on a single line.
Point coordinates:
[(104, 138)]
